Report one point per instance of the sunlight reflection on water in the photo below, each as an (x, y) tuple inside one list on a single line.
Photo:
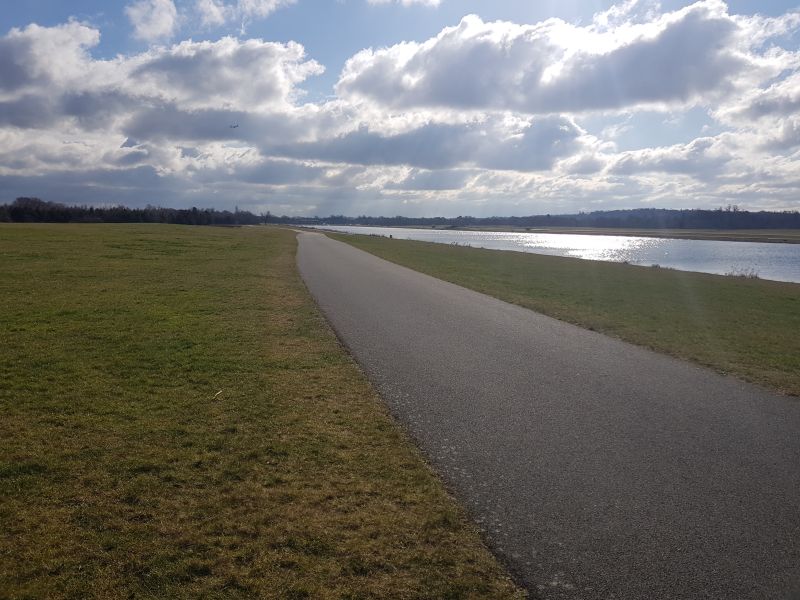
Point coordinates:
[(611, 248), (780, 262)]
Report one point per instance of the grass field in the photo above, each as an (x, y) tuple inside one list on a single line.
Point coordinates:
[(746, 327), (177, 420)]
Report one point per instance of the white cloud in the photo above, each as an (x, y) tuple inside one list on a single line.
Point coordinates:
[(702, 157), (36, 57), (480, 119), (693, 55), (780, 99), (417, 179), (52, 68), (260, 8), (212, 12), (62, 109), (229, 73), (489, 144), (787, 136), (626, 12), (152, 20)]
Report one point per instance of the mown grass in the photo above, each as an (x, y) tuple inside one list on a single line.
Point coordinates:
[(746, 327), (177, 420)]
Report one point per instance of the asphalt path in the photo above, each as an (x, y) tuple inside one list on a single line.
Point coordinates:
[(595, 468)]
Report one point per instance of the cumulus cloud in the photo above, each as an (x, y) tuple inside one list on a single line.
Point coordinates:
[(785, 138), (702, 157), (432, 180), (626, 12), (767, 115), (489, 144), (260, 8), (64, 110), (484, 118), (583, 164), (231, 73), (212, 12), (779, 99), (36, 57), (229, 76), (697, 53), (152, 20)]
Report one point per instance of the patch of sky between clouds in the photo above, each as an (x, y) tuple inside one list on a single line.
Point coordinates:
[(771, 8), (646, 129)]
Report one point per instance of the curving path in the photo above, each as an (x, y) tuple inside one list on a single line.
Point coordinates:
[(596, 469)]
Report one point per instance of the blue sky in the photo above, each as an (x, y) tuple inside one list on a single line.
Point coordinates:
[(412, 107)]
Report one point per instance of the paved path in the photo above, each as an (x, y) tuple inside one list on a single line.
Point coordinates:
[(596, 469)]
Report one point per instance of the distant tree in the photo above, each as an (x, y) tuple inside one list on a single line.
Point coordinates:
[(730, 217), (36, 210)]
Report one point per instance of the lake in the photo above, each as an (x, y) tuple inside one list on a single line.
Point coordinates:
[(778, 262)]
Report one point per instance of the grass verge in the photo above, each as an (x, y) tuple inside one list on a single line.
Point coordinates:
[(179, 421), (746, 327)]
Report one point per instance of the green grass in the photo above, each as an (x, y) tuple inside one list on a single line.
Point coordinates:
[(746, 327), (177, 420)]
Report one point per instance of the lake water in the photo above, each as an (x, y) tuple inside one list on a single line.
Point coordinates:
[(779, 262)]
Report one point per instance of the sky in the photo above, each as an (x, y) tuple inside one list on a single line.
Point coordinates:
[(402, 107)]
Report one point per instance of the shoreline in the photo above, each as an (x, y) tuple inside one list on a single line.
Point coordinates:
[(770, 236)]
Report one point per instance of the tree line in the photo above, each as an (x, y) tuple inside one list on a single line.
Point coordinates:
[(640, 218), (34, 210), (28, 210)]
